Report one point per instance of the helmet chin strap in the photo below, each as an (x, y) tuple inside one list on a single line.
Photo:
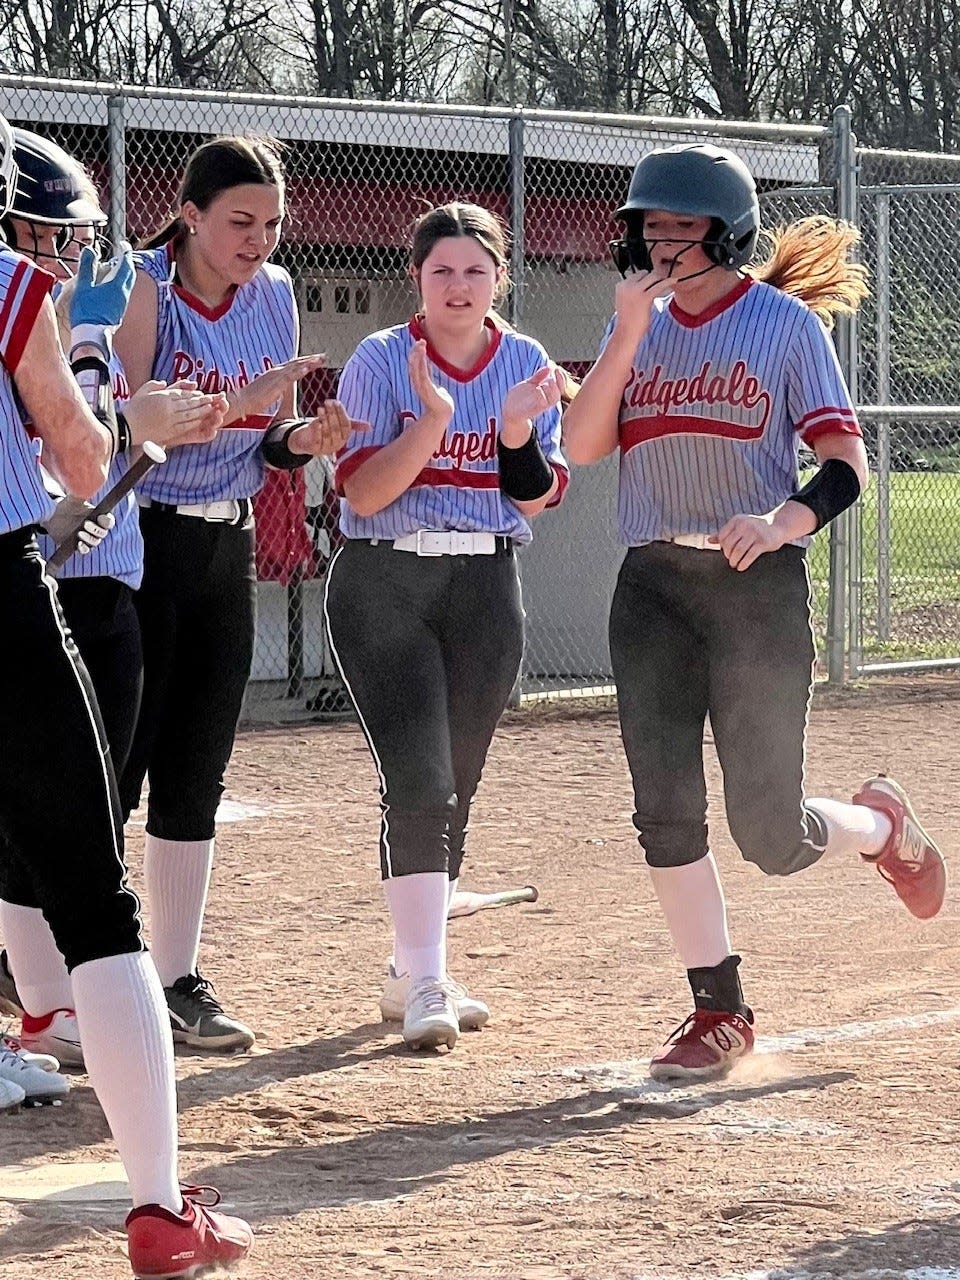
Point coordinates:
[(688, 245)]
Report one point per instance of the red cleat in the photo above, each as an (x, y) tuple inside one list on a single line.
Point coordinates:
[(705, 1047), (179, 1246), (910, 860)]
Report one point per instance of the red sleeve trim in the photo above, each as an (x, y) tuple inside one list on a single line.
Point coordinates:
[(347, 466), (38, 286), (563, 479), (828, 421)]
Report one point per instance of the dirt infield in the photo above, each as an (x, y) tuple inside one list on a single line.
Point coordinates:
[(536, 1150)]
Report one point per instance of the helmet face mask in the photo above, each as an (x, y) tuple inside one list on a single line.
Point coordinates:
[(58, 252), (9, 173), (697, 181)]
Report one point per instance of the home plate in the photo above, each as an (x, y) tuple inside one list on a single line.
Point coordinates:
[(88, 1182)]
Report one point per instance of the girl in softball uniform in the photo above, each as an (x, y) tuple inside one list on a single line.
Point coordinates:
[(55, 213), (423, 600), (709, 378), (59, 809), (208, 306)]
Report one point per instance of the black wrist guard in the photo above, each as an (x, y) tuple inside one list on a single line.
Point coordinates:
[(93, 378), (833, 488), (525, 474), (276, 451)]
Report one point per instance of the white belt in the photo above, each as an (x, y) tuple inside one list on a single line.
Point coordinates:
[(697, 540), (226, 511), (447, 542)]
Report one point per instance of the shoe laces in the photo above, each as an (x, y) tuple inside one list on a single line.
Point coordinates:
[(204, 1196), (10, 1059), (699, 1022), (199, 988), (431, 995)]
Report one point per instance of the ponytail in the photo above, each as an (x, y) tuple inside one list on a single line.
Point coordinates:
[(809, 259)]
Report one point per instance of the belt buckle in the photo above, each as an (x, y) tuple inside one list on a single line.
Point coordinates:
[(234, 518), (428, 542)]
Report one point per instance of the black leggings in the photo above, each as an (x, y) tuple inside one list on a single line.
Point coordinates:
[(197, 614), (429, 649), (690, 636), (106, 630), (61, 831)]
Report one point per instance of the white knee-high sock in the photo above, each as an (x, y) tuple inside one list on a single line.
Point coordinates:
[(852, 828), (451, 890), (418, 906), (691, 898), (36, 962), (125, 1028), (176, 878)]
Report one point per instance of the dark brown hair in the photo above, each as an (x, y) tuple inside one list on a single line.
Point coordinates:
[(217, 166), (457, 219)]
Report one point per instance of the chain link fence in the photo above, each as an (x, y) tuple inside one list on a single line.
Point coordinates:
[(360, 174)]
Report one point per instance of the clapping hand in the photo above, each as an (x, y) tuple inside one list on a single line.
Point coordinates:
[(527, 400), (325, 433), (437, 402), (260, 395)]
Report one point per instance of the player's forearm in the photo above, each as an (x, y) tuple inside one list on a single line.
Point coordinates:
[(591, 420), (392, 469)]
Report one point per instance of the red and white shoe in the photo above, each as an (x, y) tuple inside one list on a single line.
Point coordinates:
[(180, 1246), (910, 860), (705, 1047), (55, 1033)]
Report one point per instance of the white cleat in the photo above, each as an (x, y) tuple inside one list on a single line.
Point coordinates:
[(55, 1033), (11, 1095), (472, 1014), (430, 1018), (39, 1087), (45, 1061)]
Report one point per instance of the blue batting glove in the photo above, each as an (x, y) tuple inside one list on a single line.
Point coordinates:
[(100, 303)]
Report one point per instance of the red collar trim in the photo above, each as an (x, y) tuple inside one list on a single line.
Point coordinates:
[(451, 370), (715, 309), (193, 302)]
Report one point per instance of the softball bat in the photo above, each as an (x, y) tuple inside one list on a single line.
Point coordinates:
[(468, 904), (151, 455)]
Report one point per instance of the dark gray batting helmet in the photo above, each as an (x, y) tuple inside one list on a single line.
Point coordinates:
[(701, 181)]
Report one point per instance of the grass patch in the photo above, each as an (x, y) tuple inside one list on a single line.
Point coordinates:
[(924, 568)]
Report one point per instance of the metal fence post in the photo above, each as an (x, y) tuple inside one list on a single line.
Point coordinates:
[(517, 273), (843, 531), (117, 160), (883, 427), (518, 252)]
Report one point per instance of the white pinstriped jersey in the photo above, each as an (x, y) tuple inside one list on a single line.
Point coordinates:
[(120, 554), (23, 499), (715, 407), (460, 486), (220, 350)]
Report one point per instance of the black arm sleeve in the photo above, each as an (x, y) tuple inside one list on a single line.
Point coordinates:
[(833, 488), (525, 474), (276, 451)]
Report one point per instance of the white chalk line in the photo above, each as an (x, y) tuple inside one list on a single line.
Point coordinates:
[(633, 1071), (872, 1273)]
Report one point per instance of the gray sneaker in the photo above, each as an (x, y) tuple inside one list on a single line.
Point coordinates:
[(9, 996), (197, 1017)]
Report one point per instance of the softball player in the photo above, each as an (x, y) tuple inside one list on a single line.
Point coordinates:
[(423, 599), (709, 378), (59, 809), (55, 212), (207, 305)]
